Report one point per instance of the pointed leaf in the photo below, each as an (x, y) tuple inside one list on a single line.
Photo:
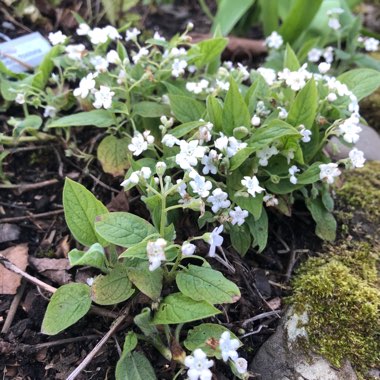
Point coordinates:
[(94, 257), (134, 366)]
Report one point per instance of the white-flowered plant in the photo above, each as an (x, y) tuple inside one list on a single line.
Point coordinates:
[(193, 140)]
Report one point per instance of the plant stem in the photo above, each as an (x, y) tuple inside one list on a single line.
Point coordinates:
[(206, 9)]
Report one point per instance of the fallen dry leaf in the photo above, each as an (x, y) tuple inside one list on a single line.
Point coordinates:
[(9, 281), (54, 269), (9, 232)]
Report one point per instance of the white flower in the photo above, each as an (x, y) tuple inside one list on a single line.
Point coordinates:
[(357, 158), (158, 37), (221, 143), (133, 179), (269, 75), (100, 63), (334, 23), (75, 52), (83, 29), (138, 144), (228, 346), (181, 188), (90, 281), (255, 121), (324, 67), (306, 133), (187, 248), (265, 154), (283, 114), (241, 365), (178, 67), (137, 56), (329, 172), (210, 162), (335, 11), (50, 111), (121, 76), (20, 98), (189, 154), (113, 57), (131, 34), (215, 240), (145, 172), (198, 365), (274, 41), (350, 129), (167, 123), (222, 85), (314, 55), (85, 85), (169, 140), (270, 200), (238, 216), (175, 52), (292, 171), (103, 98), (205, 132), (243, 70), (219, 200), (156, 253), (111, 32), (294, 79), (252, 185), (148, 137), (197, 87), (331, 97), (57, 38), (371, 44), (328, 54), (234, 146), (97, 36), (199, 185)]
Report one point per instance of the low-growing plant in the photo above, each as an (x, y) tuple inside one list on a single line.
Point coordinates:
[(194, 135)]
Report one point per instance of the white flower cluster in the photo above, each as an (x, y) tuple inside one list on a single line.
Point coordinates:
[(199, 366)]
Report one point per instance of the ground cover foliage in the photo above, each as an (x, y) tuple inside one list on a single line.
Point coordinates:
[(191, 136)]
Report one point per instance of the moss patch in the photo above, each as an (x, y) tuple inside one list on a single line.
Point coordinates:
[(361, 189), (341, 294)]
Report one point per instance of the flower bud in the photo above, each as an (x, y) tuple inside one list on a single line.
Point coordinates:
[(240, 132), (195, 204), (160, 168), (275, 178)]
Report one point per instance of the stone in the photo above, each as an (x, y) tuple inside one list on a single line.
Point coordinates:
[(282, 356), (369, 143)]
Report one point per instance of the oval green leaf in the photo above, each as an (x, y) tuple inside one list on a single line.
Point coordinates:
[(67, 305), (206, 284), (134, 366)]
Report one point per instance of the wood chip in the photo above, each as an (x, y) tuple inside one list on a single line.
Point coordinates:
[(9, 281)]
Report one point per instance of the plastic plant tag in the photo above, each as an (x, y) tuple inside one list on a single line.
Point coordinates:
[(23, 53)]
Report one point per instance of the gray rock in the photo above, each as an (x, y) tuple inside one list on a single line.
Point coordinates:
[(282, 357), (369, 143)]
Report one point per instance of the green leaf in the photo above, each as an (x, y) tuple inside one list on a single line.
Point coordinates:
[(362, 82), (186, 108), (144, 322), (310, 175), (304, 108), (136, 251), (134, 366), (130, 342), (235, 111), (183, 129), (206, 284), (81, 208), (258, 90), (229, 13), (259, 230), (148, 282), (123, 228), (214, 112), (96, 118), (29, 124), (67, 305), (274, 130), (151, 109), (252, 204), (177, 308), (326, 223), (290, 59), (45, 68), (269, 15), (240, 238), (240, 157), (113, 155), (112, 288), (206, 51), (94, 257), (299, 18), (10, 89), (204, 336)]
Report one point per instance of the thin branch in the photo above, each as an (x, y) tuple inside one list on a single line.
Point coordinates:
[(29, 186), (261, 316), (124, 313), (32, 216)]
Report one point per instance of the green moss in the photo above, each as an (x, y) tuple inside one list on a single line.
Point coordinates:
[(341, 294), (361, 189)]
